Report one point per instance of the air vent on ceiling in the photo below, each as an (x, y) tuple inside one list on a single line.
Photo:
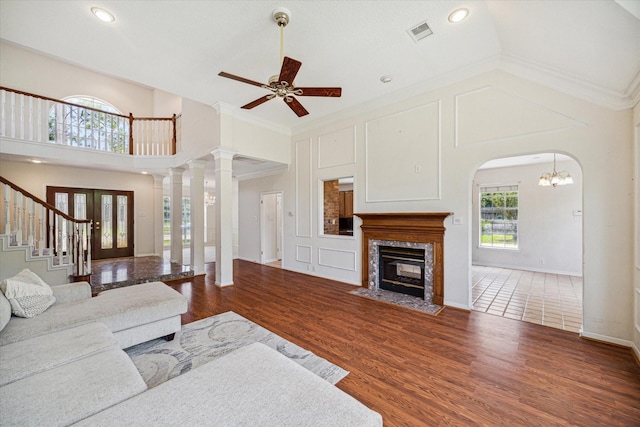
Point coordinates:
[(420, 31)]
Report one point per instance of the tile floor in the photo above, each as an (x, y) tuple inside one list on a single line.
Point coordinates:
[(553, 300)]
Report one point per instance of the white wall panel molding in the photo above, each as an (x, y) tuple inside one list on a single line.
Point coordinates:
[(337, 258), (402, 155), (304, 254), (337, 148), (303, 188), (489, 114)]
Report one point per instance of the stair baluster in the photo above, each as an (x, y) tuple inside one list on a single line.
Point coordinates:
[(41, 232), (7, 210)]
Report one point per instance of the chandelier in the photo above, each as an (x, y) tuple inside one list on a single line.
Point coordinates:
[(555, 178), (209, 199)]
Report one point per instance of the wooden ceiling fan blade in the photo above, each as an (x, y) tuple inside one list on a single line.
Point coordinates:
[(334, 92), (289, 70), (240, 79), (257, 102), (295, 106)]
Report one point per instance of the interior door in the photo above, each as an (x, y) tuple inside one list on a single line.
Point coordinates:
[(111, 212)]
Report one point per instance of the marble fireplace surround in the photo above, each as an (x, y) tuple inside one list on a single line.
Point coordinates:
[(423, 230)]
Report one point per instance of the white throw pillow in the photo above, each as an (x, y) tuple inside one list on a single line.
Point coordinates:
[(27, 293), (5, 311)]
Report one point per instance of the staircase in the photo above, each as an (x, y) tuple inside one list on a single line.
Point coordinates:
[(42, 238)]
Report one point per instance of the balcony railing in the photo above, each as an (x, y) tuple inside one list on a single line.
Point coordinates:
[(37, 118)]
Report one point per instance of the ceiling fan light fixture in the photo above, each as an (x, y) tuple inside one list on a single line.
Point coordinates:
[(458, 15), (282, 85)]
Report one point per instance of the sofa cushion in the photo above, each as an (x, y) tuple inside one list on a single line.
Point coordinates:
[(252, 386), (119, 309), (25, 358), (5, 311), (71, 392), (28, 294)]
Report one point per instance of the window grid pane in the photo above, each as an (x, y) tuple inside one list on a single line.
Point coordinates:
[(499, 217)]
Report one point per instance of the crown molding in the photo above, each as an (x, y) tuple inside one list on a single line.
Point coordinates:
[(571, 84)]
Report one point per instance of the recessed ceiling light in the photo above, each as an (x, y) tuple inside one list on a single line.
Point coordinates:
[(458, 15), (102, 14), (36, 161), (386, 79), (144, 172)]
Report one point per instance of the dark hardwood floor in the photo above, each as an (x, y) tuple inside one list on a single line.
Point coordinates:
[(457, 368)]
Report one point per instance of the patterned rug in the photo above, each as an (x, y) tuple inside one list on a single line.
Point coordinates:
[(207, 339)]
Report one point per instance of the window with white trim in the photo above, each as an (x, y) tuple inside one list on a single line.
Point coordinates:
[(499, 216)]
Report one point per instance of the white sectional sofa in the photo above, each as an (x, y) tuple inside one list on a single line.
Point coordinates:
[(67, 366)]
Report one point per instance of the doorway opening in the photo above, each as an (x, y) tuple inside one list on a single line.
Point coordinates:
[(527, 240), (111, 213), (271, 229)]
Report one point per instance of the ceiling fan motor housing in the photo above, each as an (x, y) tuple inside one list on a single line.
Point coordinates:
[(281, 16)]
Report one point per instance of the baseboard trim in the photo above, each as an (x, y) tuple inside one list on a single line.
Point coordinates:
[(527, 268), (457, 306), (636, 352), (607, 339)]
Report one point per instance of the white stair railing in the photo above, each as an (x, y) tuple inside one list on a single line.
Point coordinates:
[(42, 229)]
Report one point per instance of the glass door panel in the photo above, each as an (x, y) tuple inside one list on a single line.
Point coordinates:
[(111, 212)]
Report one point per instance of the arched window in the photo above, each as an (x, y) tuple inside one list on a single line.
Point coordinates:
[(88, 122)]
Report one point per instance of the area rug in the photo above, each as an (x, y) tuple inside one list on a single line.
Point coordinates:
[(207, 339), (402, 300)]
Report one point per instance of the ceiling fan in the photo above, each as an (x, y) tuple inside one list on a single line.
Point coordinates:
[(282, 85)]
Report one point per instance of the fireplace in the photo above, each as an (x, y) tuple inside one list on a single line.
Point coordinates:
[(401, 270), (412, 235)]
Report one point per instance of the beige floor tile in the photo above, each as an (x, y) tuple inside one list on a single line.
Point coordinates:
[(541, 298)]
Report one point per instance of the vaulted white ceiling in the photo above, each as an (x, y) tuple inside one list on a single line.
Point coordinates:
[(590, 49)]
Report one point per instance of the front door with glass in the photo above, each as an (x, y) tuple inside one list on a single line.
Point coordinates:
[(111, 212)]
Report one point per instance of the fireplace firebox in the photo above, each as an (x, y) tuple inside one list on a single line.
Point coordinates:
[(402, 270)]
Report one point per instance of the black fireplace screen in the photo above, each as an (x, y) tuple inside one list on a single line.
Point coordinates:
[(402, 270)]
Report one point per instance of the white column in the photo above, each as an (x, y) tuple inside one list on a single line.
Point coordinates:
[(197, 215), (175, 182), (224, 215), (158, 215)]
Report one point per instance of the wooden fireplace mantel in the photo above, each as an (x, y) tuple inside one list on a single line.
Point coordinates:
[(416, 227)]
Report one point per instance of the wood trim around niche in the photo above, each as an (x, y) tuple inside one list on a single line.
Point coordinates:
[(416, 227)]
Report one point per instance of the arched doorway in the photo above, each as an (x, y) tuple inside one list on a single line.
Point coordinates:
[(527, 240)]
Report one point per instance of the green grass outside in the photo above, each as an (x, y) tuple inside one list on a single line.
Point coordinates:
[(500, 240)]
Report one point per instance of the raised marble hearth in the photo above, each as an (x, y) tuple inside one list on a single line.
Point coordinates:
[(120, 272), (422, 230)]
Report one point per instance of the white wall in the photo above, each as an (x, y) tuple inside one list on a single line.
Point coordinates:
[(461, 127), (30, 72), (35, 177), (549, 234)]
